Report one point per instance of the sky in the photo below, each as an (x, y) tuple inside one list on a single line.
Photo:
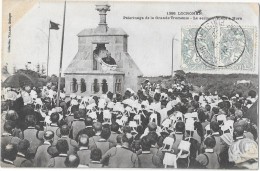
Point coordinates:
[(149, 41)]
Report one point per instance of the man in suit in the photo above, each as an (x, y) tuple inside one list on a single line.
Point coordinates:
[(88, 130), (84, 152), (73, 145), (92, 141), (21, 158), (59, 161), (114, 133), (8, 155), (121, 157), (42, 156)]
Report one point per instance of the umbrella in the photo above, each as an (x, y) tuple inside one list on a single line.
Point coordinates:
[(17, 81)]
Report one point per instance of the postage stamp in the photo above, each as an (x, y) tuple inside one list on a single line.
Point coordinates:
[(218, 44)]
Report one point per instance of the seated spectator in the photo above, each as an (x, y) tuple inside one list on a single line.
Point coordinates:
[(72, 161), (84, 152), (209, 159), (22, 157), (59, 161), (95, 157), (121, 157), (8, 155), (73, 145), (42, 155)]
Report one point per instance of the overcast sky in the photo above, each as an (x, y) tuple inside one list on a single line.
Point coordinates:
[(149, 42)]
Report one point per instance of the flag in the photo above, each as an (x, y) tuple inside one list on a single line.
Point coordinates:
[(54, 26)]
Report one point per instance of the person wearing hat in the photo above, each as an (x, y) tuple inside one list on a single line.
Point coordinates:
[(189, 136), (227, 138), (59, 161), (209, 159), (21, 159), (108, 59), (244, 154), (84, 151), (42, 156), (8, 155), (121, 157), (65, 131), (178, 135), (215, 129)]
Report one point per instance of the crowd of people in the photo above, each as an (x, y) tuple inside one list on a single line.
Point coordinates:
[(151, 128)]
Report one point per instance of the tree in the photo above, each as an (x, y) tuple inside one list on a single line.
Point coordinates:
[(38, 68), (179, 76)]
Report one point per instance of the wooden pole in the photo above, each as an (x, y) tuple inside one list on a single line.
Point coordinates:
[(172, 56), (48, 52), (61, 55)]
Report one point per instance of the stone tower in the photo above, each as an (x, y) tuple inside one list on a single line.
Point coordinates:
[(89, 73)]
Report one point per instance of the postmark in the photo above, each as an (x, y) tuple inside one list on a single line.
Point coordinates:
[(191, 61), (220, 42)]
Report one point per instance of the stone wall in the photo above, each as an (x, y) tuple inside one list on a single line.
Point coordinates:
[(89, 80)]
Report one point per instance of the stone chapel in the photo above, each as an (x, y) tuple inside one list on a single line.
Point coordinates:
[(102, 62)]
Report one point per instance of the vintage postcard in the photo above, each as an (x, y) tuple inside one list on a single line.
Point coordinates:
[(120, 84)]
